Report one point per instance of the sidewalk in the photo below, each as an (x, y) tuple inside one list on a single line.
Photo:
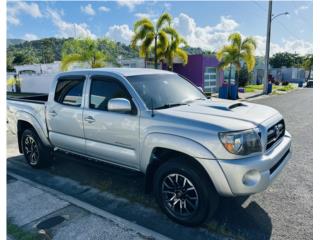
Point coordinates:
[(36, 209)]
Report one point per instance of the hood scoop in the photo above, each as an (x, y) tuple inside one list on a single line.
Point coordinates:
[(237, 105), (229, 107)]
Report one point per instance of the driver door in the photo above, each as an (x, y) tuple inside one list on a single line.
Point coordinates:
[(110, 136)]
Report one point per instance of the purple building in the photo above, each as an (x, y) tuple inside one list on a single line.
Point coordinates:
[(203, 71)]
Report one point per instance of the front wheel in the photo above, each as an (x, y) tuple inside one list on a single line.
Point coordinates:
[(35, 153), (184, 192)]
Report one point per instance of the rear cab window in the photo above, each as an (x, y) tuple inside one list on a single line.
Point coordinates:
[(69, 90)]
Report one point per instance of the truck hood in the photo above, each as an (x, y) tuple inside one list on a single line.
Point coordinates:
[(226, 114)]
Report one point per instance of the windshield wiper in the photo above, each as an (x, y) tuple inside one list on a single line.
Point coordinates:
[(170, 105)]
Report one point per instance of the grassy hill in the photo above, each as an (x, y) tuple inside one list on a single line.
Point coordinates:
[(47, 50)]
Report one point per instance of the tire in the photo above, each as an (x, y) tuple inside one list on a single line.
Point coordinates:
[(35, 153), (178, 185)]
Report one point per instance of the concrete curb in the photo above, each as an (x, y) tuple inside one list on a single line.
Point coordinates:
[(92, 209)]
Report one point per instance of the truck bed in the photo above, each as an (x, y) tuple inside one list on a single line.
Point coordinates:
[(28, 97), (28, 107)]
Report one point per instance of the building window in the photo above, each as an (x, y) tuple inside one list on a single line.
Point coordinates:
[(210, 80)]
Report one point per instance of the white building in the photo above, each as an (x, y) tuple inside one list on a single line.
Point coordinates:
[(37, 78)]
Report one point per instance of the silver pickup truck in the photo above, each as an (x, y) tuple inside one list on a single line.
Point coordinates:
[(191, 149)]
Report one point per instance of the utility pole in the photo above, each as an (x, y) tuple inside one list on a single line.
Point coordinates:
[(265, 89)]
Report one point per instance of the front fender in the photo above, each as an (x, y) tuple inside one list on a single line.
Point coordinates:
[(25, 116), (172, 142)]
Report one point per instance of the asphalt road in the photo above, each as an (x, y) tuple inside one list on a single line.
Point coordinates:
[(288, 202), (283, 211)]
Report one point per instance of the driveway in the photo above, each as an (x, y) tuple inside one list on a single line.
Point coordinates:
[(284, 211)]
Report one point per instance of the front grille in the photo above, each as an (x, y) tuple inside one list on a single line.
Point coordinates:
[(274, 133)]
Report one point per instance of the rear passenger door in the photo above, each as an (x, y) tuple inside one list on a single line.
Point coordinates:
[(64, 114), (110, 136)]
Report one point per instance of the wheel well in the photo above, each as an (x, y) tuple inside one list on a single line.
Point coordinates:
[(161, 155), (21, 126)]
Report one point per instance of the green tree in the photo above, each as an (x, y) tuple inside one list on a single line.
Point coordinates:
[(243, 76), (82, 51), (25, 56), (240, 50), (47, 51), (10, 59), (174, 49), (286, 59), (308, 64), (149, 34)]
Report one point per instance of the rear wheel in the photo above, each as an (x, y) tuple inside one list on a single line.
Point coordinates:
[(35, 153), (184, 192)]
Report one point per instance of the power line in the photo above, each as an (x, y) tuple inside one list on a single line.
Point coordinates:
[(289, 31), (281, 24)]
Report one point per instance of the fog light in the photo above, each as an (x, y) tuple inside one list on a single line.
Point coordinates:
[(251, 178)]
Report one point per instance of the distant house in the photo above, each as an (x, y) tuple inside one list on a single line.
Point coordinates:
[(137, 63), (292, 75), (202, 70)]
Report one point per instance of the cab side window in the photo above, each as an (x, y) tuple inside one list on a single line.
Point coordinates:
[(69, 91), (105, 88)]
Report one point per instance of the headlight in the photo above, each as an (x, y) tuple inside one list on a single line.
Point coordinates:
[(241, 142)]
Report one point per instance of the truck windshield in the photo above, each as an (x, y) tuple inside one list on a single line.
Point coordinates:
[(161, 91)]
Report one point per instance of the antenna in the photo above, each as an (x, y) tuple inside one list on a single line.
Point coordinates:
[(152, 108)]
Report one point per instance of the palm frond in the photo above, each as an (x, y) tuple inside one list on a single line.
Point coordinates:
[(145, 46), (164, 18), (235, 39), (250, 61), (67, 60), (140, 35), (183, 55), (171, 31), (163, 40), (143, 22), (250, 41)]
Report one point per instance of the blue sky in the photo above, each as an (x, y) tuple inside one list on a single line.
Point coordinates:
[(203, 24)]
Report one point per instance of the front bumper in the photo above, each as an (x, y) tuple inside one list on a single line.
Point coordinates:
[(254, 174)]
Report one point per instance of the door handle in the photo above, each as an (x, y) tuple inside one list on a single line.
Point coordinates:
[(53, 113), (89, 119)]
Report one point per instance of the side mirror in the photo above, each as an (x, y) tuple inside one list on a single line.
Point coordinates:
[(200, 88), (119, 105)]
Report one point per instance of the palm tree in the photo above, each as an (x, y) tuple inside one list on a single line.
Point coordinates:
[(82, 51), (238, 51), (148, 34), (308, 64), (174, 49)]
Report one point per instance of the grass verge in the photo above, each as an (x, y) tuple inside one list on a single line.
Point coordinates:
[(253, 88), (18, 233)]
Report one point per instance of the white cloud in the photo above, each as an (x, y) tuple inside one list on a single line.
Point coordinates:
[(145, 15), (226, 24), (214, 37), (104, 9), (287, 45), (204, 37), (300, 9), (16, 8), (30, 37), (131, 4), (120, 33), (88, 10), (67, 29)]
